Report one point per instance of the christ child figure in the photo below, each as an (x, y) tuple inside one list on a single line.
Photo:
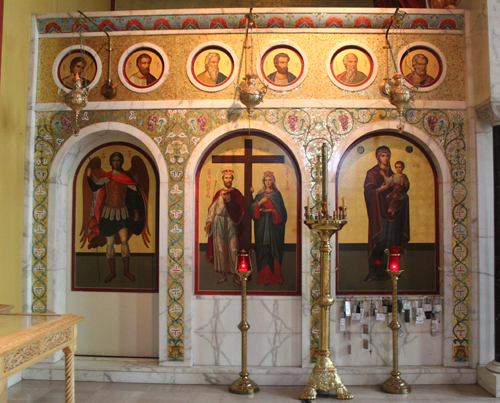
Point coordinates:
[(400, 185)]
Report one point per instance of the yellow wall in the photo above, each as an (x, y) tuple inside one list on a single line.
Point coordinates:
[(13, 96)]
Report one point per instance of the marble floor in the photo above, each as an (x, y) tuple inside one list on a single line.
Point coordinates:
[(30, 391)]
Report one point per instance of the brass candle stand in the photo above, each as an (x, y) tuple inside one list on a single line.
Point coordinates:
[(244, 385), (324, 375), (395, 384)]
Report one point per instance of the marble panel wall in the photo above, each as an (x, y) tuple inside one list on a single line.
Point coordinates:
[(493, 11), (274, 337)]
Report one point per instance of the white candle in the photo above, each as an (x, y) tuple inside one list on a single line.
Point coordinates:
[(324, 162)]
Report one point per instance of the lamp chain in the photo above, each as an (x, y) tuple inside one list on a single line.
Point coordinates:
[(251, 47), (80, 32)]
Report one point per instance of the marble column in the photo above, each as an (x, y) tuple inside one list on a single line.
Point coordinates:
[(496, 174), (489, 375), (489, 111)]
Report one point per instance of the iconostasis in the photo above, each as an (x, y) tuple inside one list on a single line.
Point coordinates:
[(178, 124)]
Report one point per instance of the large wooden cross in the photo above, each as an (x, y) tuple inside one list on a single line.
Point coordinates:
[(248, 159)]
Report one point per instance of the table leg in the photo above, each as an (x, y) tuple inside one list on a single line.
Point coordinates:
[(69, 353), (3, 390)]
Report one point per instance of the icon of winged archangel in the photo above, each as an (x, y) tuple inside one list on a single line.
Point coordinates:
[(115, 206)]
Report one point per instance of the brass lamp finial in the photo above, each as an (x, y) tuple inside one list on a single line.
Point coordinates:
[(76, 100), (399, 95), (251, 95)]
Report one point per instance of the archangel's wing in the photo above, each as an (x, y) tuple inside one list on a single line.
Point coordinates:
[(139, 172), (88, 197)]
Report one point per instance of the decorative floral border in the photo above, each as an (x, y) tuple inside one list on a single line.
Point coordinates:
[(236, 20)]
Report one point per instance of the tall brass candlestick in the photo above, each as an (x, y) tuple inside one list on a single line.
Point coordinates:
[(324, 375), (324, 184), (324, 181), (244, 385), (395, 384)]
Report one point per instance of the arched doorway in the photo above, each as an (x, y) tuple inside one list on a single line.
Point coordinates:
[(121, 312), (131, 320)]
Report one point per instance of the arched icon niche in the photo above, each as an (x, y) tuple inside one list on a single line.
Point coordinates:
[(390, 185), (248, 189), (115, 232)]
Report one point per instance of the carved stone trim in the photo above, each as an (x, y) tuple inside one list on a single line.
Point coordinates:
[(39, 347), (489, 111)]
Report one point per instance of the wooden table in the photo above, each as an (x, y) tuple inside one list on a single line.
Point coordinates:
[(29, 338)]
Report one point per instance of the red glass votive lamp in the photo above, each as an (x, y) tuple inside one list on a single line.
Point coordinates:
[(243, 263), (395, 258)]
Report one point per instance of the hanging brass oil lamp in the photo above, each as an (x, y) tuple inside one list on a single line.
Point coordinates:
[(251, 93)]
